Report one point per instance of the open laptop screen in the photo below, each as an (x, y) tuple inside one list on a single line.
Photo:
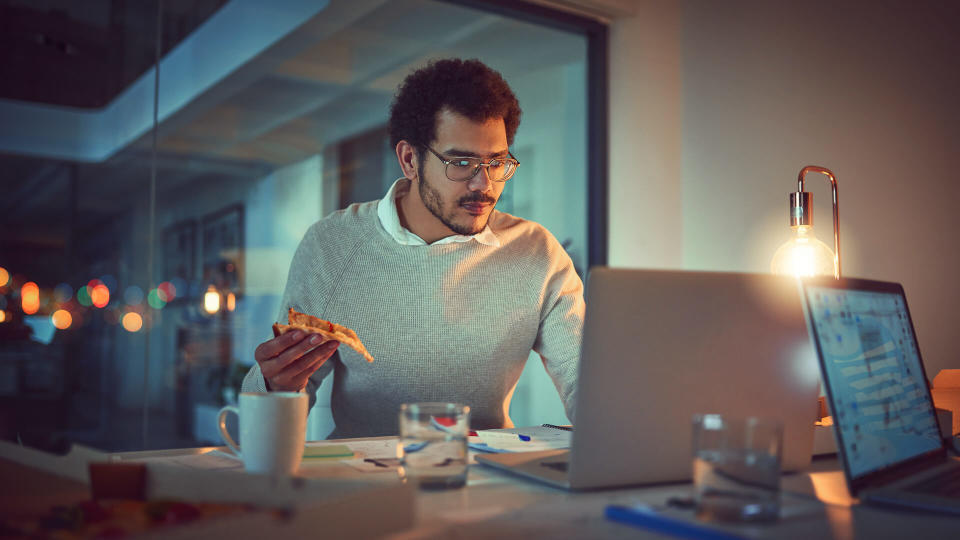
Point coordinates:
[(879, 399)]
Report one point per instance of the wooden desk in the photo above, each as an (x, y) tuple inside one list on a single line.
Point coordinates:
[(496, 505)]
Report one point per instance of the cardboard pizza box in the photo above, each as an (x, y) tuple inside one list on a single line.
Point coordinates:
[(946, 394), (35, 481)]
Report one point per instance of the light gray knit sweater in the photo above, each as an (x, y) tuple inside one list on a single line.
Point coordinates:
[(452, 322)]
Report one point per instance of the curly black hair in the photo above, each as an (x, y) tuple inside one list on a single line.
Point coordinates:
[(467, 87)]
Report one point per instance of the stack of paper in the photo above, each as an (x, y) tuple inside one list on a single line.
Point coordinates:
[(525, 439)]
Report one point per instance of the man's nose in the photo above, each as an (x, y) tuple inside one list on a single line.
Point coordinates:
[(480, 181)]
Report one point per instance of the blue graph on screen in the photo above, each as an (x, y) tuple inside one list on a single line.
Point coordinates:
[(880, 400)]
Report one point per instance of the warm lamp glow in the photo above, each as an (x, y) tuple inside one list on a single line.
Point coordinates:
[(30, 297), (3, 316), (211, 300), (231, 302), (4, 276), (132, 322), (804, 255), (61, 319)]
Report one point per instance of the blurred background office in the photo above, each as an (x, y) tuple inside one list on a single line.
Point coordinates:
[(144, 262)]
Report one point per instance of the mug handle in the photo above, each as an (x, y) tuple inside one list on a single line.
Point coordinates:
[(222, 421)]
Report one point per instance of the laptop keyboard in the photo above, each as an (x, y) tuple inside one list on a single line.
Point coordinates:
[(943, 485), (561, 466)]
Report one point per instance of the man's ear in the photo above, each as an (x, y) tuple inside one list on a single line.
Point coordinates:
[(408, 158)]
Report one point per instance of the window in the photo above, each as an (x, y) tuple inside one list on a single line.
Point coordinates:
[(160, 250)]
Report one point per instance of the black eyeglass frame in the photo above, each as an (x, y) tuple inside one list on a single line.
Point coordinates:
[(480, 163)]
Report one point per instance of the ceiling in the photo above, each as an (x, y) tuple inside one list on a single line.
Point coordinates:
[(83, 54), (331, 78)]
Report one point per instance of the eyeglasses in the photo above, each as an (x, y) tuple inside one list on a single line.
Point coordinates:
[(461, 169)]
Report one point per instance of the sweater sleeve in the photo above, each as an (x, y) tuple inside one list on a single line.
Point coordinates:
[(561, 328), (300, 293)]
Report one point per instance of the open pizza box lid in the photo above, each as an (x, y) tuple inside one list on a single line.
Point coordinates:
[(946, 395), (340, 506)]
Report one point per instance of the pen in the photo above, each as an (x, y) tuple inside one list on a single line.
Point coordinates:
[(646, 516), (500, 436)]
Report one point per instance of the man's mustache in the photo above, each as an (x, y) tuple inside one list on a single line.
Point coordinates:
[(476, 198)]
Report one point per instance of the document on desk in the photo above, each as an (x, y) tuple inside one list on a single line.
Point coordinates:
[(523, 439), (214, 460)]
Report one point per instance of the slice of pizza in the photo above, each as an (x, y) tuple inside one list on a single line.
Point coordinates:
[(327, 329)]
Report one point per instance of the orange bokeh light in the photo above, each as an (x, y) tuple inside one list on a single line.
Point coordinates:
[(30, 297), (100, 295), (132, 322), (62, 319), (3, 316), (4, 276)]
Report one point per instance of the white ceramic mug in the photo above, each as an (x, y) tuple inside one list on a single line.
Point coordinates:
[(273, 430)]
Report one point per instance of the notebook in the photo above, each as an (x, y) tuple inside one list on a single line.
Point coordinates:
[(885, 422), (661, 346)]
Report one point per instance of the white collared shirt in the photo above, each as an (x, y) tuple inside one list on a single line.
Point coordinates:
[(390, 219)]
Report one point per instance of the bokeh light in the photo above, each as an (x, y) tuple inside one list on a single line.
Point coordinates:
[(211, 300), (83, 296), (154, 300), (100, 295), (30, 297), (133, 295), (4, 276), (167, 291), (62, 319), (231, 302), (3, 316), (132, 322), (62, 292)]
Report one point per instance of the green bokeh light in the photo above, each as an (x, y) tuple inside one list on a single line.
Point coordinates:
[(154, 299), (83, 296)]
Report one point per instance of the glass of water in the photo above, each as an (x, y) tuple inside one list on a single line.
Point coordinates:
[(433, 444), (736, 467)]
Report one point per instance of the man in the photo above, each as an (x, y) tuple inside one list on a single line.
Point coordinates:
[(448, 295)]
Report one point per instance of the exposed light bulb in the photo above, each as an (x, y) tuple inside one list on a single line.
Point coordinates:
[(804, 255)]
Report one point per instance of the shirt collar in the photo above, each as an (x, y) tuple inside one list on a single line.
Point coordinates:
[(390, 219)]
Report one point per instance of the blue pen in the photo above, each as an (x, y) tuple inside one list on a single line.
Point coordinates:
[(499, 435), (643, 515)]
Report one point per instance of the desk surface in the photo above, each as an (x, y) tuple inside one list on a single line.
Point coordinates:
[(494, 504)]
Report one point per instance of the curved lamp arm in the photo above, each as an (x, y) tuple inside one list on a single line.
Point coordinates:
[(836, 212)]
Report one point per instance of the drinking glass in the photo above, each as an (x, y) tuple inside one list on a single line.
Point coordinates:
[(433, 444), (736, 467)]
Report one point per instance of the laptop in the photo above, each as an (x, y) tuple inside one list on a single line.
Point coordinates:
[(885, 422), (661, 346)]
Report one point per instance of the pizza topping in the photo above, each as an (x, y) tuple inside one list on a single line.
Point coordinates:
[(327, 329)]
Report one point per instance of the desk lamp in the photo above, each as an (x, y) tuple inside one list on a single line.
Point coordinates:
[(804, 255)]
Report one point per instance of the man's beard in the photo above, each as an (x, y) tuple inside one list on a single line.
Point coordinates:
[(434, 202)]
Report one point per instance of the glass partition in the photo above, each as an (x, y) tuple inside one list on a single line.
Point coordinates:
[(142, 263)]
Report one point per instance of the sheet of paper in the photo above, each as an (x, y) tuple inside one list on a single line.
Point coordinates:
[(541, 438), (377, 449), (211, 461)]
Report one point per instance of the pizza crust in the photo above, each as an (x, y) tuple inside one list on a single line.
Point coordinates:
[(327, 329)]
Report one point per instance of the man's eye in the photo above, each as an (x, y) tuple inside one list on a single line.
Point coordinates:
[(496, 163), (462, 163)]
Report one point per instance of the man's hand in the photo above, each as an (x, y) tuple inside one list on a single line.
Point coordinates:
[(288, 361)]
